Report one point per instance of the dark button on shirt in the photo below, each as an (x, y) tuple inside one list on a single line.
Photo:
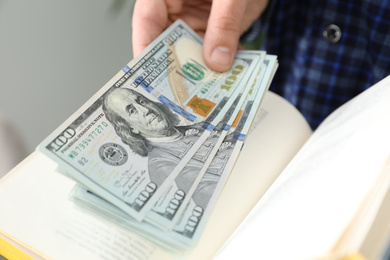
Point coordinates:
[(332, 33)]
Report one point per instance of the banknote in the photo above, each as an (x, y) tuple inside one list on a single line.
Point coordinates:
[(198, 211), (187, 232), (170, 206), (163, 104)]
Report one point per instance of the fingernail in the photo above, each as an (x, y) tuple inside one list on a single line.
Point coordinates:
[(221, 55)]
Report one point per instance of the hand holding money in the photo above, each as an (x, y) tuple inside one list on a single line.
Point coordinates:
[(221, 22)]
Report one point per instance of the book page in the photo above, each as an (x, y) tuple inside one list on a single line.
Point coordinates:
[(375, 242), (37, 213), (308, 208)]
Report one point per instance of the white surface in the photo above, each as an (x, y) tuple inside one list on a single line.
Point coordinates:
[(54, 55)]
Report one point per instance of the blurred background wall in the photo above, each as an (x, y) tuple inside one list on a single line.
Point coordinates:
[(54, 55)]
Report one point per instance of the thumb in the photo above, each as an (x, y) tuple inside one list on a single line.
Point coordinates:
[(223, 33)]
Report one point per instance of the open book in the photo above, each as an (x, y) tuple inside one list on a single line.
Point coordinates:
[(291, 195)]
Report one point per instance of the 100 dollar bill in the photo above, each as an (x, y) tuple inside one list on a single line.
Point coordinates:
[(113, 142)]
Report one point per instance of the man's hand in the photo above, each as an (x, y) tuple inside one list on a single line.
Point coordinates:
[(220, 22)]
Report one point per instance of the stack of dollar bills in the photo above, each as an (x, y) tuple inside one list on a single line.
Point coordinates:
[(153, 149)]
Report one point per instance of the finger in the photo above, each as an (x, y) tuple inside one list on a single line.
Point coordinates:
[(223, 32), (150, 18)]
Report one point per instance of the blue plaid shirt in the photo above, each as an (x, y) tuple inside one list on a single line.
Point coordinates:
[(319, 72)]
